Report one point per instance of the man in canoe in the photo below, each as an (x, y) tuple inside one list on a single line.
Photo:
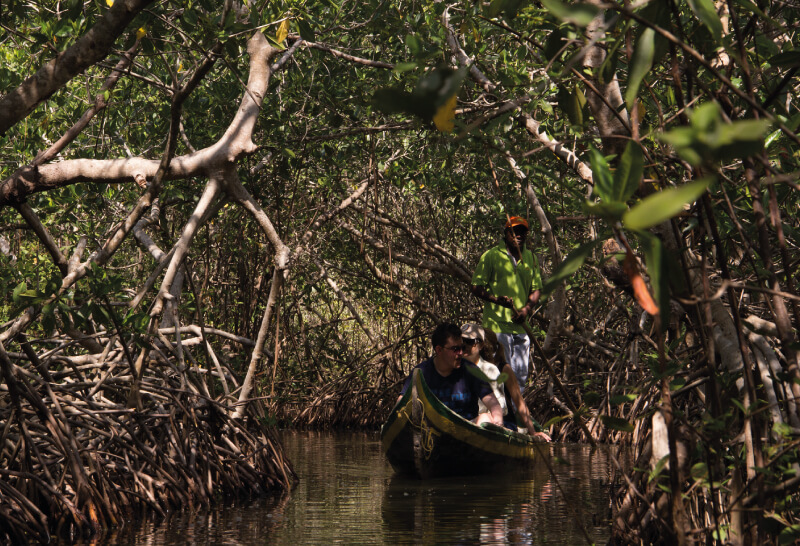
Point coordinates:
[(448, 377), (482, 349), (508, 280)]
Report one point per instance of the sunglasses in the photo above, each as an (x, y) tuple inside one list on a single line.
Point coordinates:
[(468, 341), (456, 348)]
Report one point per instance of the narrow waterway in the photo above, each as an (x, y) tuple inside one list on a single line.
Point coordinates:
[(348, 494)]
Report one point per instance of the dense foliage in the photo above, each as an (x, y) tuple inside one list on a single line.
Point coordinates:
[(308, 217)]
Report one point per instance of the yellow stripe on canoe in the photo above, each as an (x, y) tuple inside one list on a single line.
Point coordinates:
[(468, 432)]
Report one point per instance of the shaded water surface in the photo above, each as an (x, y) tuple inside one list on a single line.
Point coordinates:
[(348, 494)]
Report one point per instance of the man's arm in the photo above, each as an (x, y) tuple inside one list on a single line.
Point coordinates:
[(512, 390), (527, 310), (481, 292)]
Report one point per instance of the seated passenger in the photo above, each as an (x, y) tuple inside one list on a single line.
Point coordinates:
[(449, 380), (483, 350)]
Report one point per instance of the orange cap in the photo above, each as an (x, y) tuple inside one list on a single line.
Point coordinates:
[(516, 221)]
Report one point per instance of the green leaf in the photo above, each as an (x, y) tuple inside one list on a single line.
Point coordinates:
[(507, 7), (579, 13), (772, 137), (555, 420), (705, 116), (705, 11), (570, 265), (404, 67), (431, 92), (611, 211), (748, 5), (601, 174), (48, 318), (616, 423), (641, 63), (658, 14), (414, 44), (477, 372), (682, 139), (619, 399), (663, 205), (662, 462), (789, 535), (100, 314), (554, 44), (739, 139), (306, 32), (699, 471), (786, 59), (19, 289), (568, 101), (592, 398), (629, 172), (495, 8)]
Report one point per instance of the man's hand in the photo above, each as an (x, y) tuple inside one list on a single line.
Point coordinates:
[(483, 293), (522, 314), (505, 301)]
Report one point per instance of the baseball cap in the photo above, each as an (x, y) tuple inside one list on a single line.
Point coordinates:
[(516, 221)]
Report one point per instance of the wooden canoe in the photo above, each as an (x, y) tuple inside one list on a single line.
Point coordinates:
[(424, 437)]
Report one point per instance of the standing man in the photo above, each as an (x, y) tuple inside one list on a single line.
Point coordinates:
[(508, 279)]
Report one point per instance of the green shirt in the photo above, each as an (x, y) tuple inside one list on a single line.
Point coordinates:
[(497, 272)]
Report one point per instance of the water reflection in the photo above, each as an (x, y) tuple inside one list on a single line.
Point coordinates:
[(348, 494), (521, 508)]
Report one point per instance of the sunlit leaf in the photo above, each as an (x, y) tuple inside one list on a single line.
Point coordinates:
[(772, 138), (611, 211), (662, 206), (790, 534), (443, 119), (19, 289), (282, 32), (619, 399), (658, 468)]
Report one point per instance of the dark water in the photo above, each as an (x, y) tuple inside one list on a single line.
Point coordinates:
[(349, 495)]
